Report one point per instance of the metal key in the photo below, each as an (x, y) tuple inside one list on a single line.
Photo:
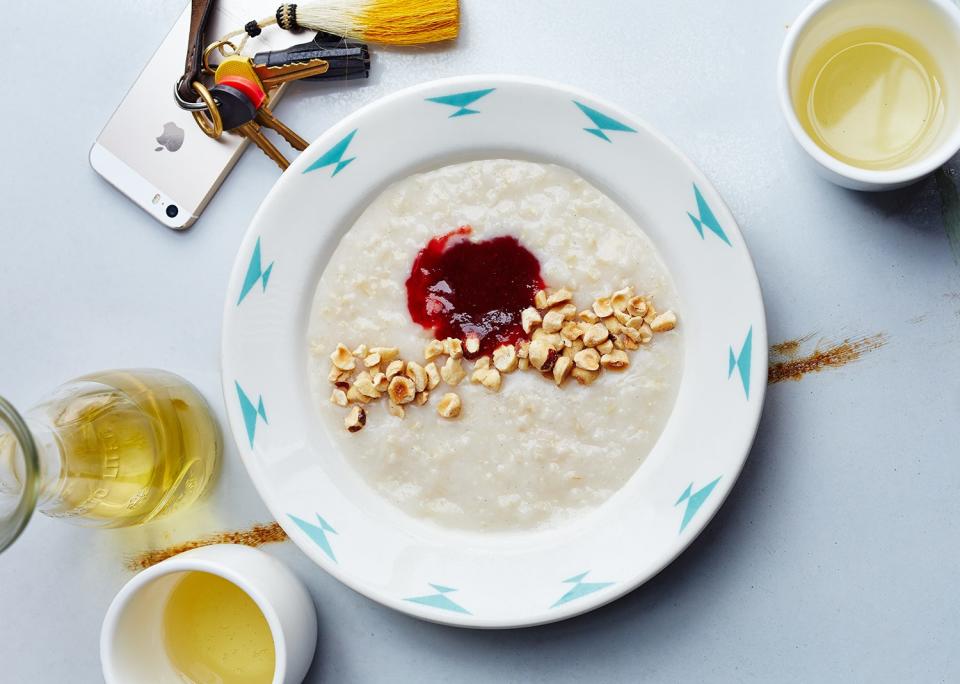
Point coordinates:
[(239, 115), (273, 76)]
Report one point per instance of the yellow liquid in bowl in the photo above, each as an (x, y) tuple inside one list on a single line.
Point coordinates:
[(871, 98), (214, 633)]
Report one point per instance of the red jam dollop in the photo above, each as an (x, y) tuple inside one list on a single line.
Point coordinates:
[(458, 287)]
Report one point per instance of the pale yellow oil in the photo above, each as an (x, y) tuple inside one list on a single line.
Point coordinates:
[(214, 633), (872, 98), (133, 445)]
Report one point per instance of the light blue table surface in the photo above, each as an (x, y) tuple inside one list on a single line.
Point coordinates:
[(836, 557)]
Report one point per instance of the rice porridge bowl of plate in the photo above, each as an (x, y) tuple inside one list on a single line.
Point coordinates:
[(495, 345)]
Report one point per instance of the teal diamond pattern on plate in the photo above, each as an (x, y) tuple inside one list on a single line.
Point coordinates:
[(250, 412), (462, 101), (694, 500), (706, 218), (255, 273), (602, 122), (580, 588), (334, 156), (318, 533), (742, 362), (440, 600)]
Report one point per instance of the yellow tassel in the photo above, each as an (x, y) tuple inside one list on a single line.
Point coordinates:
[(409, 22)]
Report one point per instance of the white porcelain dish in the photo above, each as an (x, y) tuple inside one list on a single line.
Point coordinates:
[(935, 24), (131, 637), (468, 578)]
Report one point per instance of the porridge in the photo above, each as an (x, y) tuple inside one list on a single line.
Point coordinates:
[(503, 345)]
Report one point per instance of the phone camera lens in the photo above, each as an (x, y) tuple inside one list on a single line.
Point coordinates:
[(172, 211)]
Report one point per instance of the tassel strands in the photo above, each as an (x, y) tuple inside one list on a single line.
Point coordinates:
[(388, 22)]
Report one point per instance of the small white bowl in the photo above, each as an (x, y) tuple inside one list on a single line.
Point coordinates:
[(935, 24), (132, 634)]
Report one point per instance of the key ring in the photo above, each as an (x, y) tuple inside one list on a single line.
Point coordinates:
[(218, 46), (210, 123), (197, 106)]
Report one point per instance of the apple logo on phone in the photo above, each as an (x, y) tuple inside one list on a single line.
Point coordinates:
[(171, 139)]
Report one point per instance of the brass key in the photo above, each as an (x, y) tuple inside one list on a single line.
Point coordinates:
[(273, 76), (252, 131)]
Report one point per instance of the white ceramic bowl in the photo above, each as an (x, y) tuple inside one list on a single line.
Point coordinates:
[(131, 638), (472, 579), (935, 24)]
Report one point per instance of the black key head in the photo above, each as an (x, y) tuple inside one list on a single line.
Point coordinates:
[(235, 108)]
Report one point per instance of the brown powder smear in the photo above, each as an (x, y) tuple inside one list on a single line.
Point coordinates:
[(832, 356), (258, 535)]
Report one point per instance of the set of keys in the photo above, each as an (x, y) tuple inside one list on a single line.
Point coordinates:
[(243, 88)]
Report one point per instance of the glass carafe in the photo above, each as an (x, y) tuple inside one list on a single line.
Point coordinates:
[(109, 449)]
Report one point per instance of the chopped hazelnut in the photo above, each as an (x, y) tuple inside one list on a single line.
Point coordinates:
[(629, 343), (401, 390), (336, 375), (422, 398), (540, 299), (452, 372), (491, 379), (664, 322), (523, 364), (606, 347), (505, 358), (539, 353), (602, 307), (584, 376), (646, 333), (433, 349), (621, 298), (449, 405), (354, 396), (612, 324), (453, 347), (356, 419), (361, 351), (387, 354), (433, 375), (622, 317), (530, 318), (588, 359), (395, 368), (571, 330), (552, 339), (522, 349), (482, 363), (559, 296), (339, 397), (568, 310), (342, 358), (561, 369), (635, 322), (473, 344), (371, 360), (381, 382), (418, 374), (637, 306), (395, 410), (365, 386), (595, 334), (552, 322), (587, 316), (617, 341), (616, 359)]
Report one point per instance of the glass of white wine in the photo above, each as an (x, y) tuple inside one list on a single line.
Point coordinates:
[(110, 449)]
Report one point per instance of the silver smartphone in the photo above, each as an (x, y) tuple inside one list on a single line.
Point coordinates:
[(153, 151)]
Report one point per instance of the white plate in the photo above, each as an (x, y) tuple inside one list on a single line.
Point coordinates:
[(498, 580)]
